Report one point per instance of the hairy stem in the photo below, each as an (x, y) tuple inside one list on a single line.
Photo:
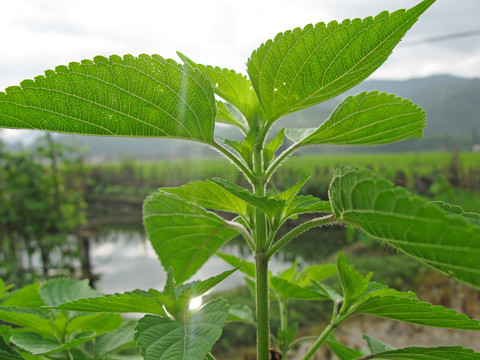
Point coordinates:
[(297, 231), (271, 169), (263, 307), (321, 339), (246, 235), (209, 356), (241, 166)]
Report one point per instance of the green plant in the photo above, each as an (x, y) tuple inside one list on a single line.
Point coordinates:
[(42, 332), (149, 96)]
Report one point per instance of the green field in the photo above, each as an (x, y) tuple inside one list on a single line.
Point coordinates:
[(441, 175)]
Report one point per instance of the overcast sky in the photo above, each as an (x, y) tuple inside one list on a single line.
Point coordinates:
[(40, 34)]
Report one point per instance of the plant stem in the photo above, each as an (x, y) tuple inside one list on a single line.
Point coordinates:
[(243, 168), (263, 307), (271, 169), (209, 356), (297, 231), (301, 340), (321, 339)]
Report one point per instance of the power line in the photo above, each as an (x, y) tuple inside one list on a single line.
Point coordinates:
[(442, 38)]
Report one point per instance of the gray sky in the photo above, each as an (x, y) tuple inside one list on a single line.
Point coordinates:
[(40, 34)]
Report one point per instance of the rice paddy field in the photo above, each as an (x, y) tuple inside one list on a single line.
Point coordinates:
[(452, 176)]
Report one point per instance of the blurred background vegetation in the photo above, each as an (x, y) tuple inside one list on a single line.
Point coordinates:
[(69, 204)]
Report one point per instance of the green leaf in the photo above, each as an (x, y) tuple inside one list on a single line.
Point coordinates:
[(244, 148), (328, 292), (184, 235), (98, 323), (59, 291), (161, 339), (314, 273), (244, 266), (209, 195), (27, 296), (445, 241), (343, 352), (37, 320), (302, 204), (145, 96), (114, 340), (241, 313), (354, 285), (471, 217), (290, 290), (4, 289), (231, 86), (224, 115), (288, 335), (137, 301), (7, 353), (298, 134), (201, 287), (440, 353), (375, 345), (304, 67), (268, 205), (36, 344), (272, 147), (370, 119), (414, 311)]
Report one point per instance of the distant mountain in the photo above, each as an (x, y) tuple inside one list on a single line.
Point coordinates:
[(452, 105)]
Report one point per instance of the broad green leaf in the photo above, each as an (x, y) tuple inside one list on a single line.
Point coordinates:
[(268, 205), (184, 235), (272, 147), (114, 340), (244, 148), (288, 335), (440, 353), (315, 273), (445, 241), (209, 195), (145, 96), (304, 67), (417, 312), (302, 204), (59, 291), (471, 217), (290, 290), (4, 289), (241, 313), (370, 119), (33, 319), (231, 86), (354, 284), (7, 353), (289, 273), (244, 266), (36, 344), (343, 352), (27, 296), (225, 116), (165, 339), (137, 301), (328, 292), (98, 323), (290, 193), (201, 287), (298, 134), (376, 346)]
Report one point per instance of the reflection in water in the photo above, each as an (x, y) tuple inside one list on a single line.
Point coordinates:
[(125, 260)]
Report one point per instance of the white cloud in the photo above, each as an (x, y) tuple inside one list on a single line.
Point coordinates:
[(46, 33)]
